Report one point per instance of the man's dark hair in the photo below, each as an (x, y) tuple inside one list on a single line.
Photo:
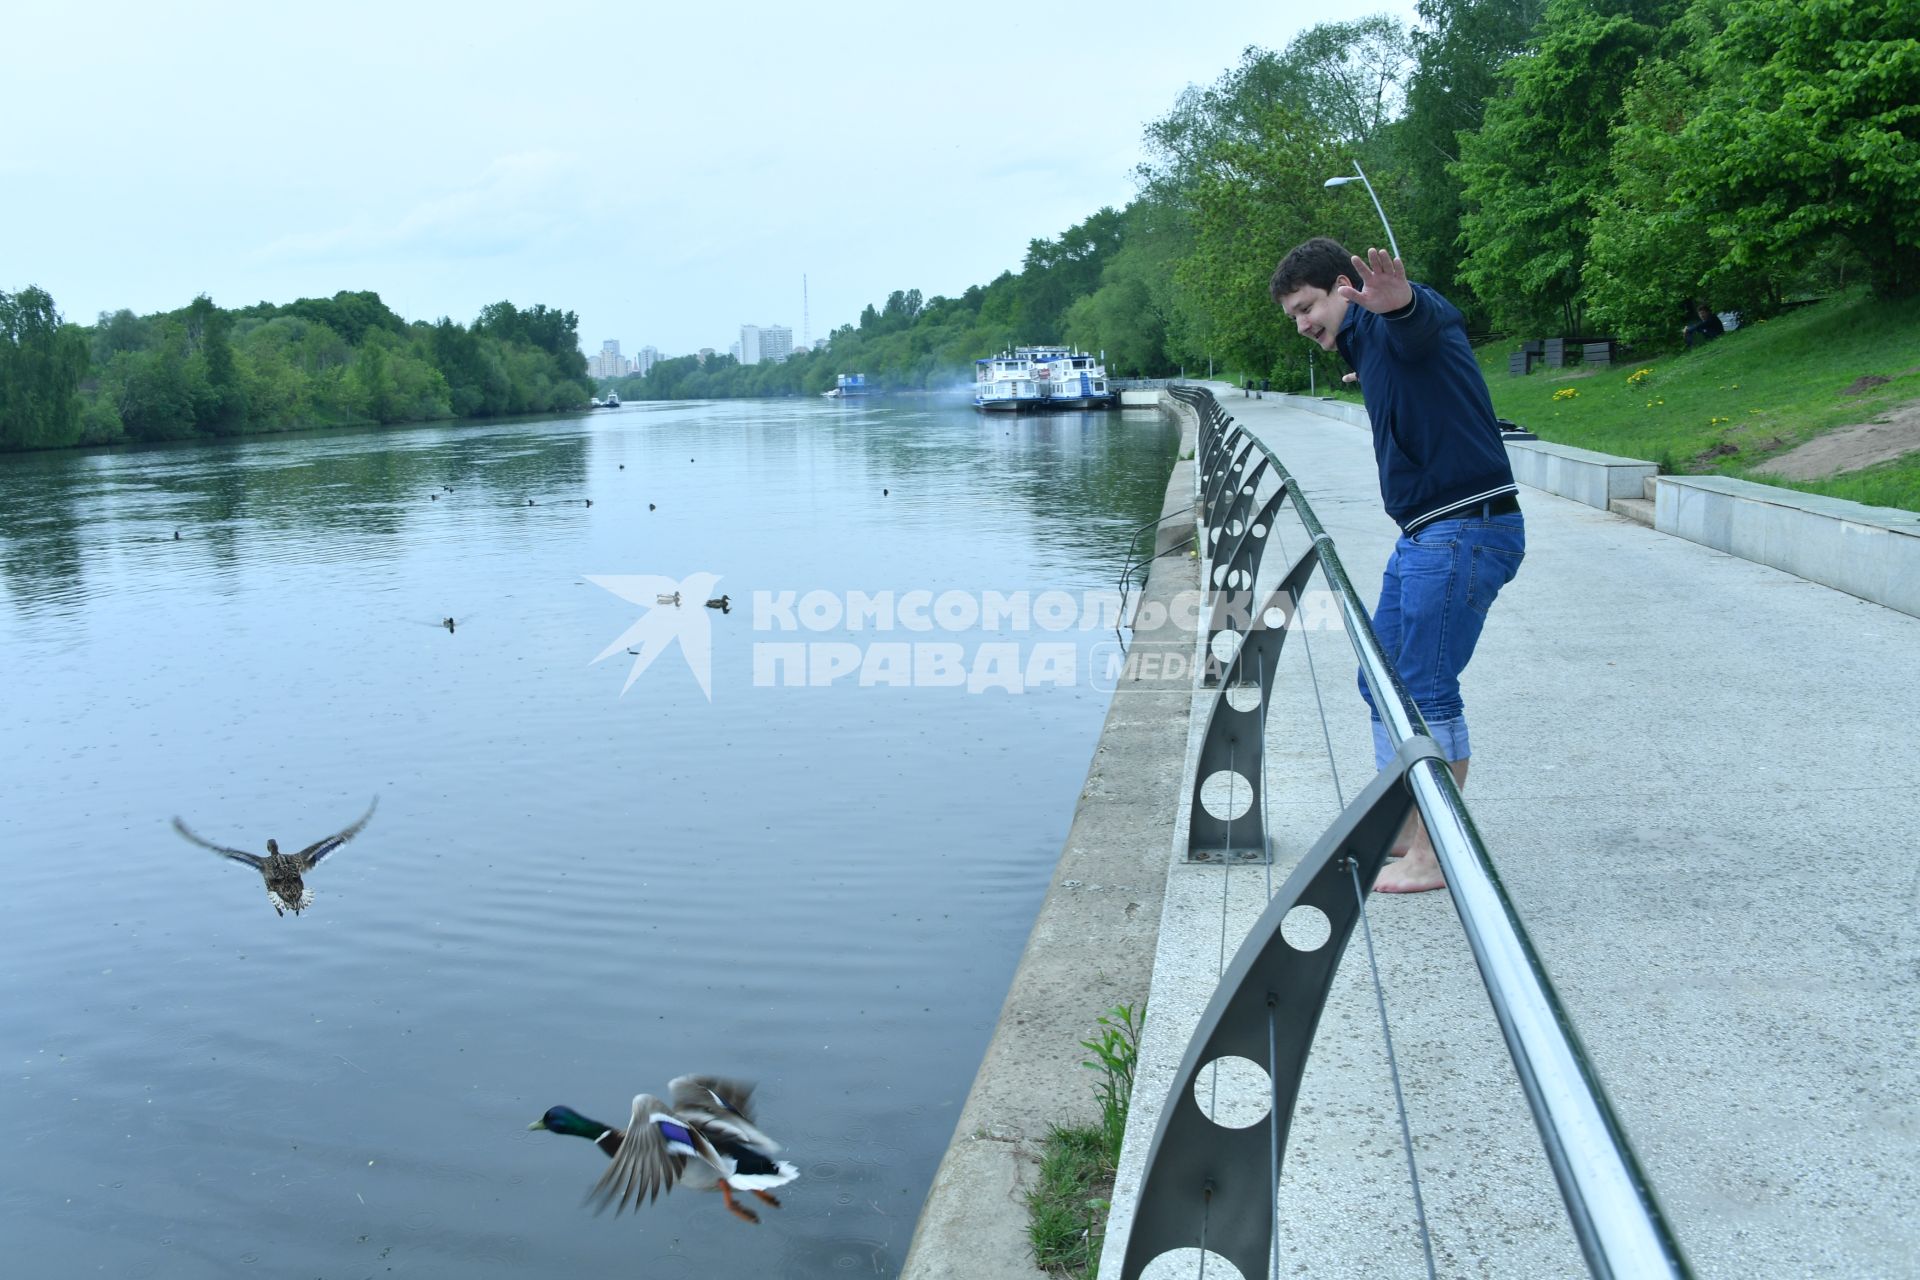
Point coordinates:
[(1319, 262)]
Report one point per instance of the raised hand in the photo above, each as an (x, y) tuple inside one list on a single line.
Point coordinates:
[(1383, 283)]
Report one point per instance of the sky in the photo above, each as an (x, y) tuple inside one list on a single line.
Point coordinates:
[(667, 172)]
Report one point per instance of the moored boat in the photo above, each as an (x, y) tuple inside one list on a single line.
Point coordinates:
[(1028, 379)]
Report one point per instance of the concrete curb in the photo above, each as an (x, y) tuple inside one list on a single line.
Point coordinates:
[(1092, 947)]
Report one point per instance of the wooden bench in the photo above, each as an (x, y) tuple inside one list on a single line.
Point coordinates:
[(1599, 353), (1555, 353), (1522, 361)]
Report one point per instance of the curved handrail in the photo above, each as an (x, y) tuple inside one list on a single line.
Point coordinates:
[(1614, 1213)]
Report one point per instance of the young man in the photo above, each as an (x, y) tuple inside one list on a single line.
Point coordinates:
[(1443, 476)]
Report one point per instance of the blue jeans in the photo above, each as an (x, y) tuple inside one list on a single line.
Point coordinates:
[(1439, 584)]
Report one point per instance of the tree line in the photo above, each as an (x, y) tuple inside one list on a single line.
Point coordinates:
[(1556, 167), (206, 372)]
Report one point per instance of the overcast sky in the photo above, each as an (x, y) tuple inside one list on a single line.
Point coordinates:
[(668, 172)]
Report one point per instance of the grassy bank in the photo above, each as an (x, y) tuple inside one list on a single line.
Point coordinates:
[(1733, 404)]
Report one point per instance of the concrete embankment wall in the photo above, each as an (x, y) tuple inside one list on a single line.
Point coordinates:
[(1091, 948)]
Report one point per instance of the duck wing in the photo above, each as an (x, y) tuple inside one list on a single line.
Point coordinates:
[(722, 1105), (253, 860), (310, 857), (651, 1156)]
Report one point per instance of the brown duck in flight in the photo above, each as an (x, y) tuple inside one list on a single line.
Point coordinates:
[(282, 871)]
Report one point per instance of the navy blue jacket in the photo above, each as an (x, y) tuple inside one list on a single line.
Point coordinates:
[(1434, 432)]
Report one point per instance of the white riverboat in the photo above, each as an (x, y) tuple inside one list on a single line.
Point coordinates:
[(847, 384), (1035, 379)]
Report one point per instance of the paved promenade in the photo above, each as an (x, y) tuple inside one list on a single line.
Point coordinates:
[(1696, 776)]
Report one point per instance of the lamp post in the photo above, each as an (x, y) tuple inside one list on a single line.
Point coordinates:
[(1359, 175)]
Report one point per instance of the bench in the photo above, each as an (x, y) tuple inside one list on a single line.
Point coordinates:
[(1555, 353), (1599, 353), (1522, 361)]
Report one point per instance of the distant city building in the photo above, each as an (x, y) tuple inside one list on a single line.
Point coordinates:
[(739, 351), (644, 362), (609, 363), (772, 343), (706, 354)]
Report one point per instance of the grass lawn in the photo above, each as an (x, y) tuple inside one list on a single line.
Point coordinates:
[(1736, 402)]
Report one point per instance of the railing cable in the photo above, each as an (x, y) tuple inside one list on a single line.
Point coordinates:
[(1313, 678), (1273, 1132), (1266, 810), (1393, 1069)]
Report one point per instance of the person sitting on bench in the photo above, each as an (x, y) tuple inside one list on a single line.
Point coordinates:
[(1705, 329)]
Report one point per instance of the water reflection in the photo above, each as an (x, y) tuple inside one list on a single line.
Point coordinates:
[(825, 887)]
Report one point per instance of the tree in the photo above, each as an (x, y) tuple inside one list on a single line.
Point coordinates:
[(1531, 176), (1130, 314), (1649, 254), (42, 361), (220, 401), (1459, 49), (153, 395), (1811, 129), (1258, 202)]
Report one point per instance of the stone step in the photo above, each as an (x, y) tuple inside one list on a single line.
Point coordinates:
[(1638, 509), (1647, 487)]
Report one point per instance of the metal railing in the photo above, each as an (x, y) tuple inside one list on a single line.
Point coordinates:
[(1216, 1188)]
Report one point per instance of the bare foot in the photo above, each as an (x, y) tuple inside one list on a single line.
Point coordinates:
[(1418, 872)]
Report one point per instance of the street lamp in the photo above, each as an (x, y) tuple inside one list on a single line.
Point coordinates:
[(1359, 175)]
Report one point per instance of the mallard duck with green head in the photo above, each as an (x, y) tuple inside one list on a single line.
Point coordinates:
[(704, 1137), (283, 871)]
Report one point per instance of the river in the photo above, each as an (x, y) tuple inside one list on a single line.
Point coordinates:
[(780, 843)]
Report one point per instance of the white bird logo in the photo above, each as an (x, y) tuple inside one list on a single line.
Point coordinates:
[(661, 625)]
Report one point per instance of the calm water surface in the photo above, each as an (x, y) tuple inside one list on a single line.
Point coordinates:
[(569, 894)]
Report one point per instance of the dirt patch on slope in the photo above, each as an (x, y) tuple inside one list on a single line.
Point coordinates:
[(1851, 448)]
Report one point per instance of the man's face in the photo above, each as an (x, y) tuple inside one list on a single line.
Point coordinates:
[(1316, 313)]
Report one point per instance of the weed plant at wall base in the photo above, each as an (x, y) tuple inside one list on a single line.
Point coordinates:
[(1067, 1208)]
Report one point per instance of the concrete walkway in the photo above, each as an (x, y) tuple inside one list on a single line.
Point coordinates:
[(1696, 777)]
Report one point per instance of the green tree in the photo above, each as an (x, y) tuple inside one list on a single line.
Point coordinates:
[(1533, 173), (1648, 253), (1257, 203), (1459, 48), (1811, 129), (155, 397), (220, 399), (42, 361), (1129, 315)]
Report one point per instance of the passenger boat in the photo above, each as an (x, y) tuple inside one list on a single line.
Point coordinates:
[(611, 402), (1030, 379), (847, 384)]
